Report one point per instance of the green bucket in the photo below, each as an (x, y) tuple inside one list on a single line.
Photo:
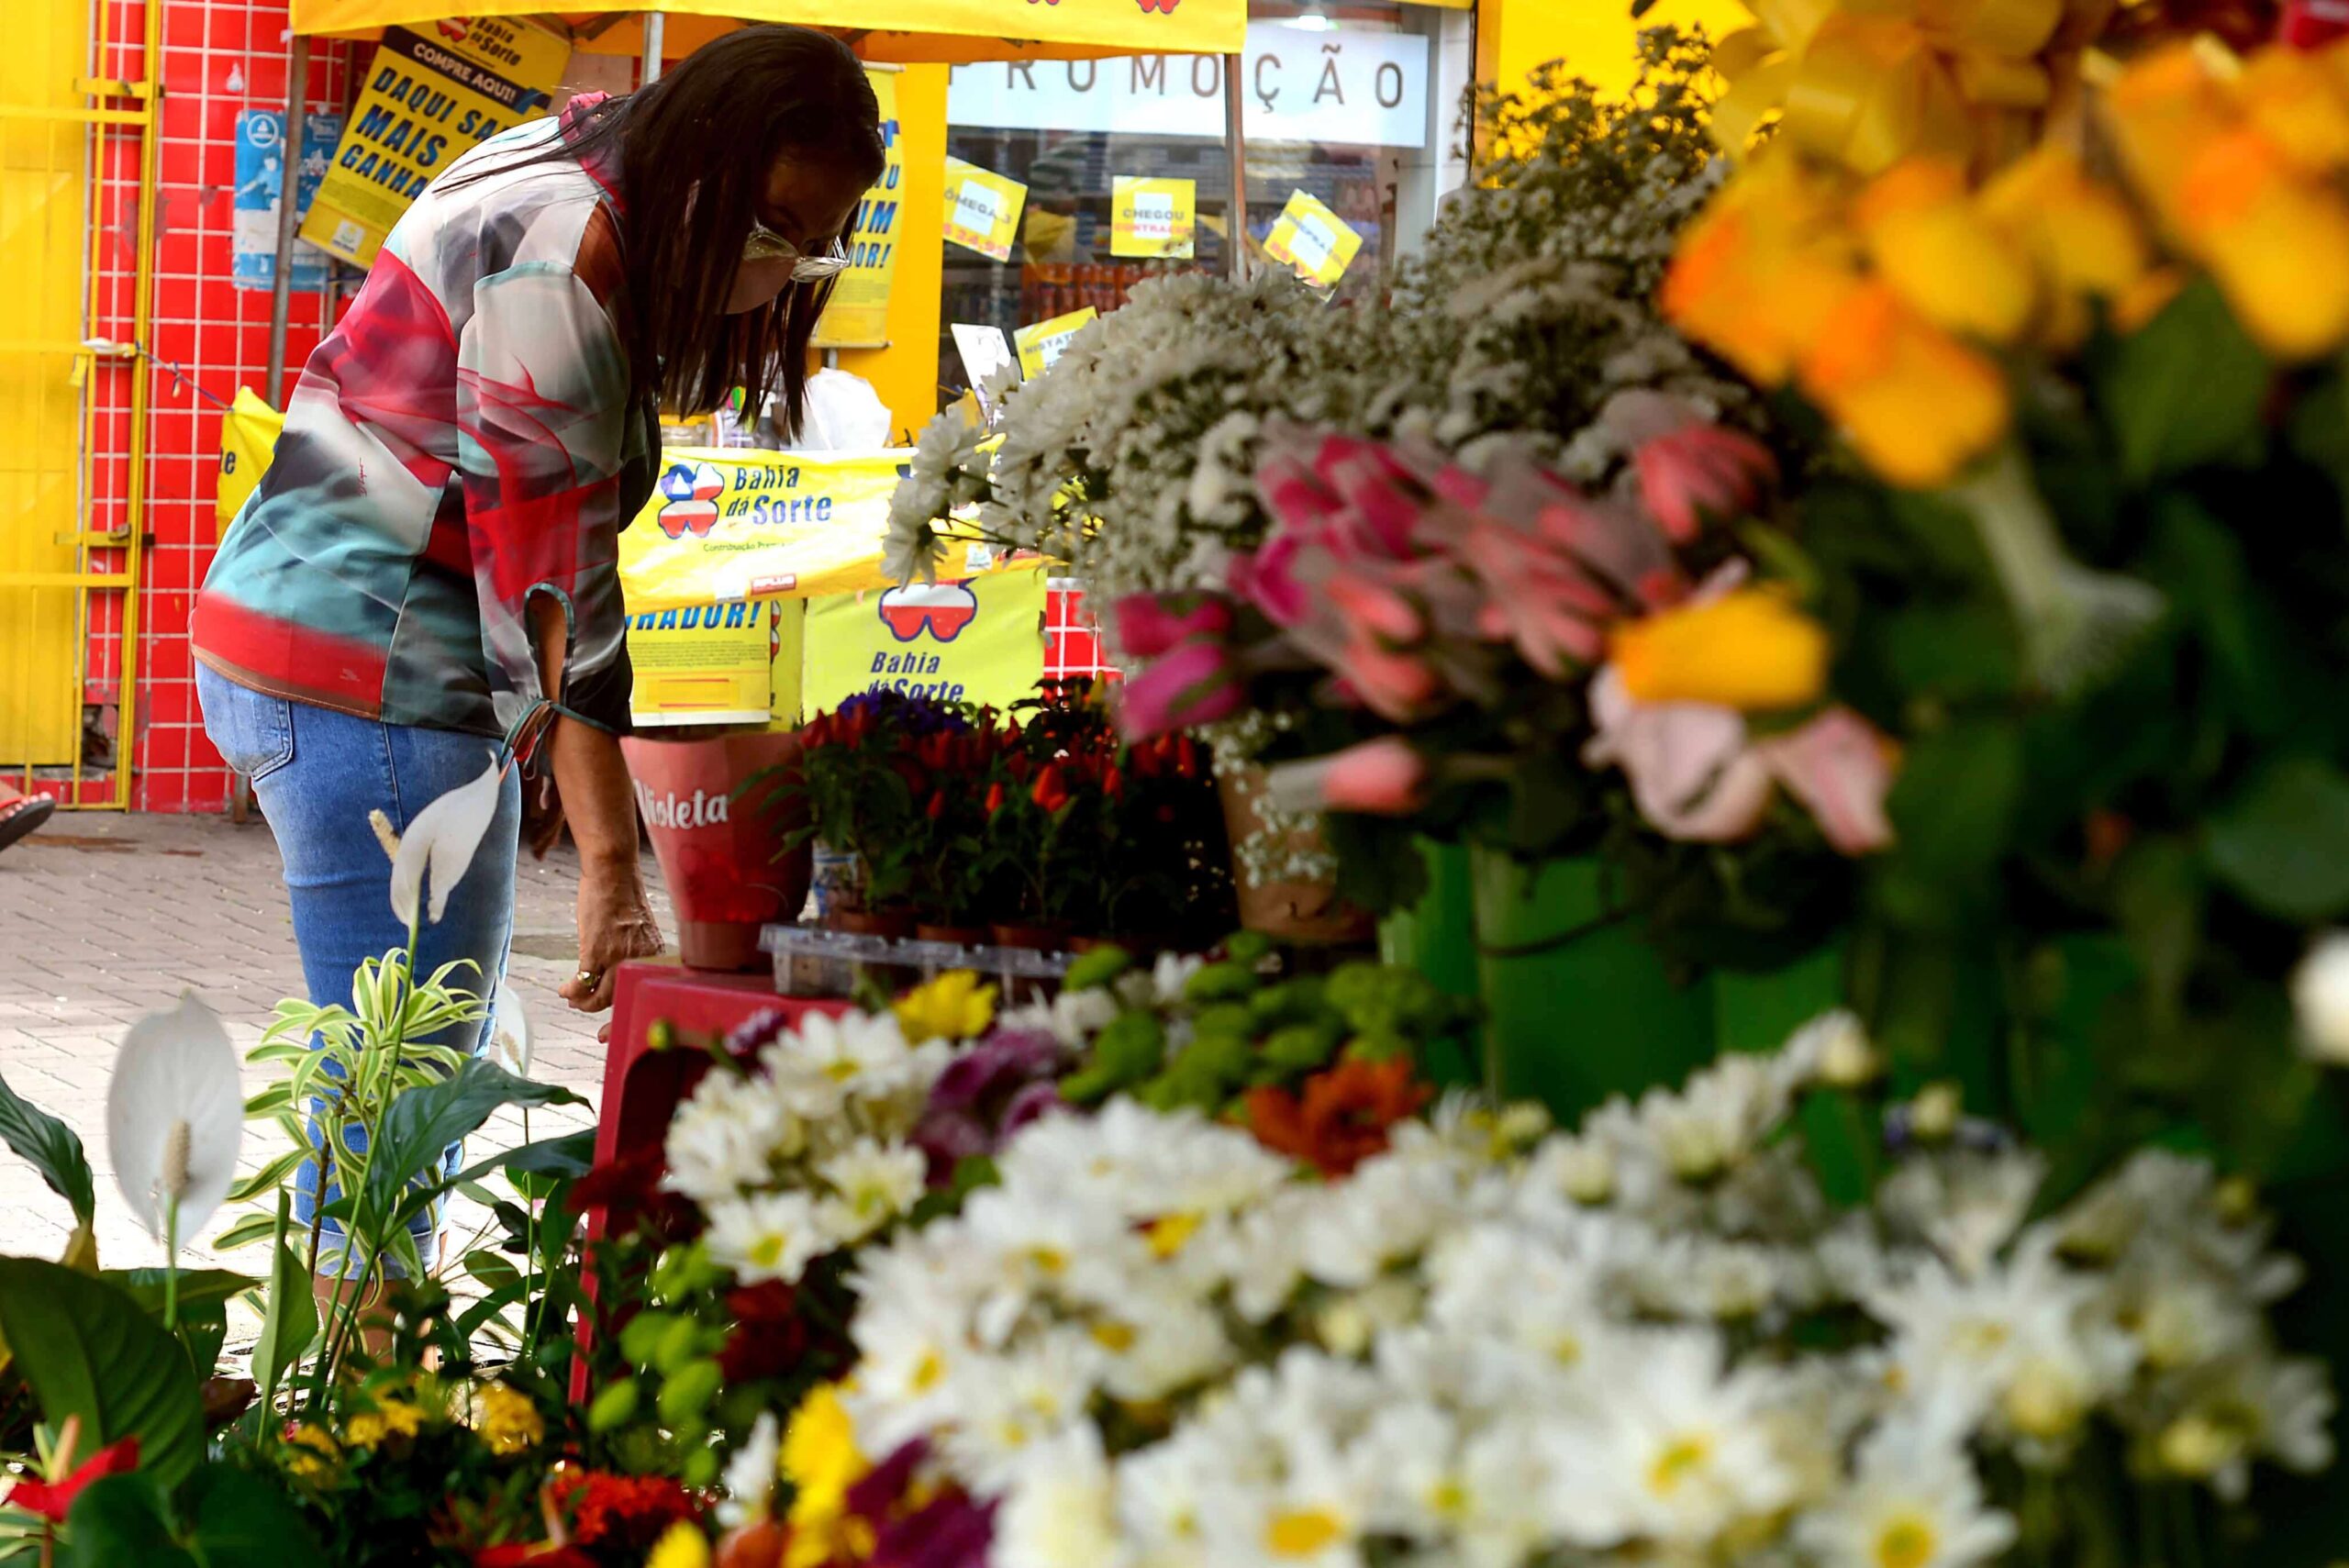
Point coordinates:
[(1437, 936), (1579, 1006)]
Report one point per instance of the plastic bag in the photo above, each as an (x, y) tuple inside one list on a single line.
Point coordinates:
[(844, 415)]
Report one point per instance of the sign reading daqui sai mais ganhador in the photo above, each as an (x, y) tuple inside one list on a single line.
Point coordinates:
[(858, 315), (428, 99)]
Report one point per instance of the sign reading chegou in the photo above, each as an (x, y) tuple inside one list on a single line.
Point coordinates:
[(978, 640), (857, 314), (1297, 84), (983, 209), (1152, 217), (428, 99)]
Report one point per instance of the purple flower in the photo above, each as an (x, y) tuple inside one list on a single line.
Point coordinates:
[(1002, 1061), (947, 1138), (1041, 1099), (757, 1031)]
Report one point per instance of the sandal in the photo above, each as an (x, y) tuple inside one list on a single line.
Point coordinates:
[(20, 818)]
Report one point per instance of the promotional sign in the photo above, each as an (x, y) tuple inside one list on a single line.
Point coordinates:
[(735, 524), (986, 353), (978, 640), (858, 315), (1040, 345), (1297, 84), (982, 209), (1207, 26), (428, 100), (703, 664), (1315, 241), (1153, 218), (262, 155)]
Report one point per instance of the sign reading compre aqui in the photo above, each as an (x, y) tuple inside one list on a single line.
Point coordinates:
[(428, 99)]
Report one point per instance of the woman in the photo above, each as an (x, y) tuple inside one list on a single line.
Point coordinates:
[(428, 571)]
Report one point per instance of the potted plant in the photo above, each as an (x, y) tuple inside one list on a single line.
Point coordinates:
[(729, 868)]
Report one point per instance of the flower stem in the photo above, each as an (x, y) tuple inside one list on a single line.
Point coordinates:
[(171, 1266)]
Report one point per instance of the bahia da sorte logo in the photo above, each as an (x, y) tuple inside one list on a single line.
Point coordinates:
[(944, 610), (670, 809)]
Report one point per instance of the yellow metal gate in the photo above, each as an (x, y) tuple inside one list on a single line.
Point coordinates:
[(54, 368)]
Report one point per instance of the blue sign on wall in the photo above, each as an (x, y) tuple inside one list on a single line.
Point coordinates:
[(260, 177)]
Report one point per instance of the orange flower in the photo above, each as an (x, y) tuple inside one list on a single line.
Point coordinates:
[(2082, 237), (1760, 270), (1938, 252), (2277, 242), (2299, 101), (1917, 403), (1344, 1116)]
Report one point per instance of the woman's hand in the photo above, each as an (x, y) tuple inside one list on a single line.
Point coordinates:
[(616, 924)]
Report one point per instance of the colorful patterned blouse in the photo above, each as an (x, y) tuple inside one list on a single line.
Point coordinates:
[(464, 441)]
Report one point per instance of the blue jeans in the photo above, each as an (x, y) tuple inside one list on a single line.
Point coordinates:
[(317, 774)]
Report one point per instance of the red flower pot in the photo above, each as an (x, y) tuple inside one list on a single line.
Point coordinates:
[(717, 855)]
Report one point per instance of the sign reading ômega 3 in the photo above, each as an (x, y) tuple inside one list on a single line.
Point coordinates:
[(1301, 85)]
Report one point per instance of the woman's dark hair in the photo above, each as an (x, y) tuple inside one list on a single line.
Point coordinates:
[(693, 152)]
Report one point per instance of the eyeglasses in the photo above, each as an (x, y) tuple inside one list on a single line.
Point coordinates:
[(765, 245)]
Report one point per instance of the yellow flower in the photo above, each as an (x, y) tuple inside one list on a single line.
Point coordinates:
[(505, 1419), (2083, 236), (1760, 270), (952, 1006), (682, 1545), (2300, 103), (2277, 242), (1917, 404), (821, 1460), (1750, 649), (1938, 252), (310, 1450), (393, 1419)]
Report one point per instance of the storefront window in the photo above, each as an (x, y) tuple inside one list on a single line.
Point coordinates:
[(1351, 107)]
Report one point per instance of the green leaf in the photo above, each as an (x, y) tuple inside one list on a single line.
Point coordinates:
[(2282, 842), (270, 1177), (225, 1517), (291, 1319), (493, 1269), (244, 1233), (2186, 389), (89, 1350), (50, 1147), (423, 1122), (198, 1287)]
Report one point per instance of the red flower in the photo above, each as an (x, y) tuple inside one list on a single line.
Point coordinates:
[(629, 1512), (1187, 756), (1344, 1116), (533, 1554), (769, 1337), (995, 797), (1113, 783), (52, 1500), (937, 807), (1051, 788)]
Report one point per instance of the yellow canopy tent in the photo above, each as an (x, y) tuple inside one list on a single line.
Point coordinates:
[(891, 30)]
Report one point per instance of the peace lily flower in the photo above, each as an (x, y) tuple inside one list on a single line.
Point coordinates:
[(443, 838), (175, 1117), (509, 1038)]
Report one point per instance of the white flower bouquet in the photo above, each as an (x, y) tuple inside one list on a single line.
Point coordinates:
[(1654, 1340)]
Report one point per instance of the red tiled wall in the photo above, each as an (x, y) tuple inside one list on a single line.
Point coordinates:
[(208, 336)]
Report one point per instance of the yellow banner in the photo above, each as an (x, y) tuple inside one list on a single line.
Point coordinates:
[(1043, 344), (979, 641), (858, 315), (247, 437), (1153, 218), (1315, 241), (736, 524), (1112, 27), (429, 96), (982, 209)]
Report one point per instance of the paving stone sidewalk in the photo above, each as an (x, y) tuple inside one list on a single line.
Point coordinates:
[(104, 917)]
